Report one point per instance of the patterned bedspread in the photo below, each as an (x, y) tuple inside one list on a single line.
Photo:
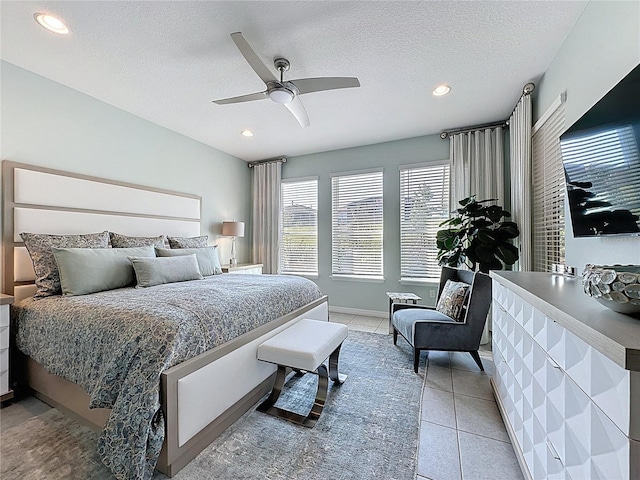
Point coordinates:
[(115, 345)]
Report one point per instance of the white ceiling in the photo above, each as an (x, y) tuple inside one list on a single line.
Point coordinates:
[(166, 61)]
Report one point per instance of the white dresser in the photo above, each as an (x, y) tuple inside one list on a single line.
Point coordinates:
[(243, 268), (567, 378), (5, 391)]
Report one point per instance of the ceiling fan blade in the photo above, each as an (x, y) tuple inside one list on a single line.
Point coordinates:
[(252, 59), (309, 85), (297, 109), (242, 98)]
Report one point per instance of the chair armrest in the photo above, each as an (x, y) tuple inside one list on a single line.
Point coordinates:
[(400, 306)]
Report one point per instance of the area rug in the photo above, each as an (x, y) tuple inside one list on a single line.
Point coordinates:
[(368, 430)]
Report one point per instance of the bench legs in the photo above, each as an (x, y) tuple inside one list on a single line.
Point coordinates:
[(268, 406)]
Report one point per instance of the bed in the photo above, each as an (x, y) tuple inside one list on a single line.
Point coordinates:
[(206, 377)]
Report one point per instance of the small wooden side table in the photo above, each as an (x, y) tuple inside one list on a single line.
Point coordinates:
[(400, 297)]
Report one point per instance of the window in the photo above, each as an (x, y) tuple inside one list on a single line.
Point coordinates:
[(424, 204), (356, 224), (548, 192), (299, 227)]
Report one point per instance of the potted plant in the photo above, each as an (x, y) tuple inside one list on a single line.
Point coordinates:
[(478, 237)]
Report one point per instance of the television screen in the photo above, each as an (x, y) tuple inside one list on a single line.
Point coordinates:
[(601, 162)]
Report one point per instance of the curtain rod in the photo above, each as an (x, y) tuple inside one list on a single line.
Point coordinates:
[(448, 133), (526, 90), (269, 160)]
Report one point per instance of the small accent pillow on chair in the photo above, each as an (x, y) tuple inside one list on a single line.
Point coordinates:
[(453, 299)]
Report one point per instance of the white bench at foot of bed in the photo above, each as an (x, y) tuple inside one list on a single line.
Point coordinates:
[(304, 347)]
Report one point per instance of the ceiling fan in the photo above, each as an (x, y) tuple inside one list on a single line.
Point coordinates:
[(281, 91)]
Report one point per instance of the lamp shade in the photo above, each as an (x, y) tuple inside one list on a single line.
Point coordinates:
[(233, 229)]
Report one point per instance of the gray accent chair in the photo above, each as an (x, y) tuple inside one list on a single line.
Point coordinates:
[(427, 329)]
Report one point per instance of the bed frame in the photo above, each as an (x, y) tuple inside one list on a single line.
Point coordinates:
[(196, 409)]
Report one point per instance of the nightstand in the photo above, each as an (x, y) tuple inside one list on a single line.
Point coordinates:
[(5, 392), (252, 268)]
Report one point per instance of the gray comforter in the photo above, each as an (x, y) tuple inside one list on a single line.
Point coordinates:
[(116, 344)]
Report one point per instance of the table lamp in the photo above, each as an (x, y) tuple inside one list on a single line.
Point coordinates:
[(233, 230)]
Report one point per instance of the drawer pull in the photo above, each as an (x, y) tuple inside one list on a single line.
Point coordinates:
[(553, 363), (553, 451)]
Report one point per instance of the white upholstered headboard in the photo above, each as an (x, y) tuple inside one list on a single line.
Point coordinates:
[(41, 200)]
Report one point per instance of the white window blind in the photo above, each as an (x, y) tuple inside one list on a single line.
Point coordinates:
[(608, 156), (424, 204), (356, 225), (548, 193), (299, 227)]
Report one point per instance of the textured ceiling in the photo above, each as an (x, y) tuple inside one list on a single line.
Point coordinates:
[(166, 61)]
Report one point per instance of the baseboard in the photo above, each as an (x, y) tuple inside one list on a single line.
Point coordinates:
[(359, 311)]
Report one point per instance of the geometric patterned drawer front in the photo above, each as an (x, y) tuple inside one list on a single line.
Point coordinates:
[(568, 405), (4, 315)]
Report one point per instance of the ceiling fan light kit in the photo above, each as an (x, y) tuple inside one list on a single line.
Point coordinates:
[(280, 91)]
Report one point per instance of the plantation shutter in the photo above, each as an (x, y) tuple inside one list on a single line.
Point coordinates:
[(548, 191), (299, 227), (356, 224), (424, 204)]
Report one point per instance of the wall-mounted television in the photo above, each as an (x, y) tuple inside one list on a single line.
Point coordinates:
[(601, 159)]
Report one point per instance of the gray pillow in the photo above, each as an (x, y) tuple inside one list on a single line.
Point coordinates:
[(188, 242), (124, 241), (159, 270), (207, 257), (44, 264), (89, 270)]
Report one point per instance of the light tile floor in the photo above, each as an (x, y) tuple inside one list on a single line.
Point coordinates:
[(462, 435)]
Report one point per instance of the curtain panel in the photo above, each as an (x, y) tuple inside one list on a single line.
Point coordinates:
[(266, 215), (477, 165), (521, 179)]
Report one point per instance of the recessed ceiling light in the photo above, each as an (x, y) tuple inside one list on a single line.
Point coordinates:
[(441, 90), (246, 133), (51, 23)]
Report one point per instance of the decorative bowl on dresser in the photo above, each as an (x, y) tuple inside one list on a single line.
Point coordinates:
[(615, 286)]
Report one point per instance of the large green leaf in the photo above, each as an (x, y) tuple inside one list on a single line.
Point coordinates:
[(508, 253), (481, 223), (509, 229), (484, 254), (466, 201), (486, 236)]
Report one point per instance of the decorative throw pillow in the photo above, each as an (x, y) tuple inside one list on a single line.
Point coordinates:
[(124, 241), (452, 302), (39, 246), (188, 242), (159, 270), (89, 270), (207, 257)]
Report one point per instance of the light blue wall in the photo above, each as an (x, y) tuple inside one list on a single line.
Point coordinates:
[(359, 294), (602, 48), (47, 124)]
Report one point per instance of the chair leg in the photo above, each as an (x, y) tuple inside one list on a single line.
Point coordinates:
[(476, 357), (395, 336), (416, 359)]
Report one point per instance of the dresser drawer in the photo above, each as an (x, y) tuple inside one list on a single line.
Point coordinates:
[(4, 337), (4, 315), (4, 382), (4, 359)]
